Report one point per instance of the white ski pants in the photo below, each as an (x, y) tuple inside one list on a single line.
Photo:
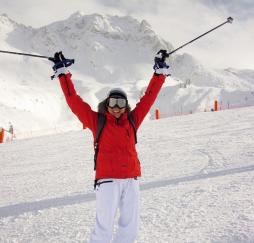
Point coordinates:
[(122, 194)]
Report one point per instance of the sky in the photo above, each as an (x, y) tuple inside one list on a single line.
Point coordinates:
[(177, 21)]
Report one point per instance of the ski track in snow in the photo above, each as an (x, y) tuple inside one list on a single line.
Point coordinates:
[(17, 209), (197, 183)]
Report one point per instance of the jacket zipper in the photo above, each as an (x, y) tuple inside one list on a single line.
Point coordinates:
[(117, 121)]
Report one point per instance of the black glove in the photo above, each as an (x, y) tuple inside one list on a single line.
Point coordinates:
[(60, 62), (160, 65)]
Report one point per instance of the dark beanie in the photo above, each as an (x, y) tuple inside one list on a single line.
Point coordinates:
[(117, 93)]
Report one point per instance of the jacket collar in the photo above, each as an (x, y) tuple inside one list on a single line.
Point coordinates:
[(123, 117)]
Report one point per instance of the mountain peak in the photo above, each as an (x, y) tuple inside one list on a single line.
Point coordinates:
[(5, 19), (77, 14)]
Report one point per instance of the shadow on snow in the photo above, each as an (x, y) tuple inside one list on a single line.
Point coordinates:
[(17, 209)]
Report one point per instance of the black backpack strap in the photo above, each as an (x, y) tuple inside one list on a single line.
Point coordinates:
[(130, 118), (100, 125)]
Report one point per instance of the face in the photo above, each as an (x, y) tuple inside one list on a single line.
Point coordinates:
[(116, 106), (116, 111)]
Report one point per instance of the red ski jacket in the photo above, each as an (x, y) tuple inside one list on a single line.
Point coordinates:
[(117, 156)]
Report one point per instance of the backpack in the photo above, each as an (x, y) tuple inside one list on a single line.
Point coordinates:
[(101, 124)]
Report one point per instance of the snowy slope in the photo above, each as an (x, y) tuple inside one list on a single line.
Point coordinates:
[(110, 51), (197, 185), (27, 96)]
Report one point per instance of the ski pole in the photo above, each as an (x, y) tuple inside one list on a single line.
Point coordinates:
[(23, 54), (229, 20), (66, 62)]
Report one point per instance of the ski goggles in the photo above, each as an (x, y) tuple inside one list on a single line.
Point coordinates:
[(117, 102)]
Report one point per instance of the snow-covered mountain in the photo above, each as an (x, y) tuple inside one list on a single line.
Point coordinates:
[(110, 51)]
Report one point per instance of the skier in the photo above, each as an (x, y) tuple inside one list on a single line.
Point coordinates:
[(11, 130), (116, 162)]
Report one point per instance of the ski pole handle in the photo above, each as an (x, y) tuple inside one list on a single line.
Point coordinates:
[(230, 20)]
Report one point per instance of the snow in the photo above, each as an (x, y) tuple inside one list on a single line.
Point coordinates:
[(197, 182)]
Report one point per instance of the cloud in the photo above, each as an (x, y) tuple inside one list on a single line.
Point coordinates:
[(244, 8), (132, 6)]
